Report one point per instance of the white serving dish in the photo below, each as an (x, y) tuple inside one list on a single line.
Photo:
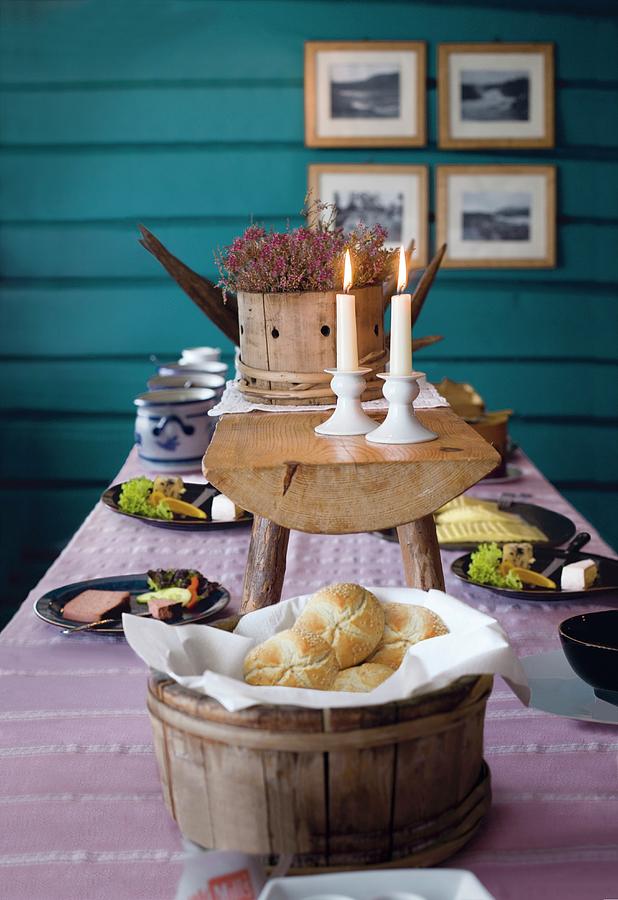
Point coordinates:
[(200, 354), (191, 379), (177, 367), (379, 884)]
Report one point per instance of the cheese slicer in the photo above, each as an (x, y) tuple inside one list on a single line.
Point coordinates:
[(571, 550)]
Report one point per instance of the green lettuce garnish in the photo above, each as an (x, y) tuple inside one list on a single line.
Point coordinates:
[(484, 568), (134, 496)]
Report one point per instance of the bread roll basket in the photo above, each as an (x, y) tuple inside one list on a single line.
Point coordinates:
[(402, 783)]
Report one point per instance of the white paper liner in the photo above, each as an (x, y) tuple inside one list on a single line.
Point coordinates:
[(209, 660), (234, 401)]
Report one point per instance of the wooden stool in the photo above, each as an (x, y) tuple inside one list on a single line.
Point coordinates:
[(276, 466)]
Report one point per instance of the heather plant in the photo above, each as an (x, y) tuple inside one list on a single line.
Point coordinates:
[(307, 258)]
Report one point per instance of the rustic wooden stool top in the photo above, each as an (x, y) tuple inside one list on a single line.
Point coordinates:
[(276, 466)]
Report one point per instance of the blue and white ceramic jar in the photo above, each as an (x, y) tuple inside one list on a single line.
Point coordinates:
[(173, 428)]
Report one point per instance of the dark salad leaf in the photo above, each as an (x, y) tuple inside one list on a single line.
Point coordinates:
[(158, 579)]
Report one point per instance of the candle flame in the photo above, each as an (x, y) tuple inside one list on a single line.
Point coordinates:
[(347, 273), (403, 271)]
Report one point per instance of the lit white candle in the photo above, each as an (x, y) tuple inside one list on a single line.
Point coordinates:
[(347, 346), (401, 324)]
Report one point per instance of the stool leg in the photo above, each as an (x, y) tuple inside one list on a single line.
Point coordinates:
[(422, 565), (265, 565)]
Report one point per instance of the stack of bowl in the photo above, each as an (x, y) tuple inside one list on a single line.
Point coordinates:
[(173, 428)]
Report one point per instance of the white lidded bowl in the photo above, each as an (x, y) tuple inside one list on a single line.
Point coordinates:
[(200, 354), (190, 380), (173, 428), (215, 367)]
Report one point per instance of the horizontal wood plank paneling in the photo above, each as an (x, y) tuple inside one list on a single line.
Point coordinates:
[(76, 385), (549, 388), (530, 388), (227, 112), (566, 451), (136, 182), (65, 447), (172, 39), (91, 251), (478, 317), (598, 506), (123, 319)]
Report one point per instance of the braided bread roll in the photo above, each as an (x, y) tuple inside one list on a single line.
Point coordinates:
[(404, 626), (293, 659), (346, 616)]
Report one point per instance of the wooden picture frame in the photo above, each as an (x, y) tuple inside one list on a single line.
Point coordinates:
[(495, 95), (407, 211), (508, 212), (351, 110)]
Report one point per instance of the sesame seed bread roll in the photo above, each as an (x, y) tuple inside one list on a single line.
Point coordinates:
[(361, 678), (346, 616), (404, 626), (293, 659)]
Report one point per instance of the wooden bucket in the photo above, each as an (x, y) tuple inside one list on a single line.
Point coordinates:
[(399, 784), (287, 340)]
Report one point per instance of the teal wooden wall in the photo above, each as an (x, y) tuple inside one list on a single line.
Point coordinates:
[(187, 115)]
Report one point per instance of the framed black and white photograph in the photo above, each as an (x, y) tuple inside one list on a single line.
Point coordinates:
[(497, 216), (392, 196), (496, 95), (365, 94)]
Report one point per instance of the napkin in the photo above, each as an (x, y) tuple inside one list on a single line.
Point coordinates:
[(209, 660)]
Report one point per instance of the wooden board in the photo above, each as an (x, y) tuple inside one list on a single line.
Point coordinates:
[(275, 465)]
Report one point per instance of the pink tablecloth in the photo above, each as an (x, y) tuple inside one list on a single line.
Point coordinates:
[(80, 803)]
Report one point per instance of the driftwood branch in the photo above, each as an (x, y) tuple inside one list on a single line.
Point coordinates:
[(422, 288), (203, 292)]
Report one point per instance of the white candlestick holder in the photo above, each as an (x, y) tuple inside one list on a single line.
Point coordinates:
[(401, 425), (349, 417)]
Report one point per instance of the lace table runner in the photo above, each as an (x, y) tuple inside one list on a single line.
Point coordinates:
[(234, 401)]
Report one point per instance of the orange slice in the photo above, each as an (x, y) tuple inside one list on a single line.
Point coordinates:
[(528, 576), (183, 508), (505, 567)]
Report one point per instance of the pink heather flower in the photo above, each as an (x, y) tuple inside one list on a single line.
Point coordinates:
[(303, 259)]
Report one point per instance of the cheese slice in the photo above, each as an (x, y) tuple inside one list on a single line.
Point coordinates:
[(578, 576), (470, 520)]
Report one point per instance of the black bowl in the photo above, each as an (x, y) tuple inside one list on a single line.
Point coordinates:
[(590, 643)]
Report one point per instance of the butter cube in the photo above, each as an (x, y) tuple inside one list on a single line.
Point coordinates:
[(578, 576)]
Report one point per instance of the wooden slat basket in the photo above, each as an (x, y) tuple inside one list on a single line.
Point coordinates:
[(287, 340), (399, 784)]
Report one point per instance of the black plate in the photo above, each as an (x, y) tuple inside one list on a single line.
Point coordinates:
[(50, 605), (111, 496), (607, 580), (557, 527)]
